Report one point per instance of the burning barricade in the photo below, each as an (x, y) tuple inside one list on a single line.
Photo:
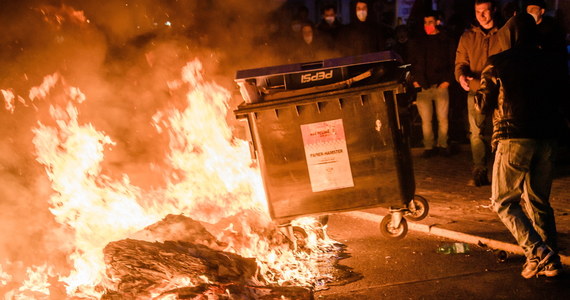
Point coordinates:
[(206, 232)]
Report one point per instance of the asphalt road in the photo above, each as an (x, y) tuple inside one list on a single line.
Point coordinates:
[(412, 269)]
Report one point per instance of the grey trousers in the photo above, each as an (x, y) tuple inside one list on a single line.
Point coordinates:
[(522, 173)]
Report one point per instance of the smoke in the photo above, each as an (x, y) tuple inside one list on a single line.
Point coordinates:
[(121, 54)]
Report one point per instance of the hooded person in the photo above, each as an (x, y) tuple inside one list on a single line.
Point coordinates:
[(551, 35), (310, 46), (329, 26), (361, 36), (519, 88)]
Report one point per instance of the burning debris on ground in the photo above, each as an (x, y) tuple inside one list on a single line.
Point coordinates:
[(140, 268)]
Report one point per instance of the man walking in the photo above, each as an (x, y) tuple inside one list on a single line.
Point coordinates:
[(475, 46), (525, 97), (431, 56)]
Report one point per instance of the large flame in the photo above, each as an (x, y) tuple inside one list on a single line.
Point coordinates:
[(213, 173), (209, 176)]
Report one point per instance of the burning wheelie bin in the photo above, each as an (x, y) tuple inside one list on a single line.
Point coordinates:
[(330, 136)]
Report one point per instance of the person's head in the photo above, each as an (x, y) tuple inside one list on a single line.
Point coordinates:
[(303, 13), (508, 10), (522, 31), (484, 10), (296, 26), (402, 33), (431, 22), (307, 32), (329, 14), (361, 9), (536, 9)]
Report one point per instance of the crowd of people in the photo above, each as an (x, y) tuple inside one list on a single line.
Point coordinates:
[(303, 40), (293, 37), (446, 62), (511, 71)]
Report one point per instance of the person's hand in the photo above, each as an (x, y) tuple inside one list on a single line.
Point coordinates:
[(464, 81), (444, 85), (416, 84)]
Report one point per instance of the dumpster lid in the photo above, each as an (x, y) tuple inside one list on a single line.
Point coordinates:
[(276, 82), (317, 65)]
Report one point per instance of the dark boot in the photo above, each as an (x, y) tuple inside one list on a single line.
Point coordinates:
[(480, 177)]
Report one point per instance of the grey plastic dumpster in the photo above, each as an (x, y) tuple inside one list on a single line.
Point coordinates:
[(336, 150)]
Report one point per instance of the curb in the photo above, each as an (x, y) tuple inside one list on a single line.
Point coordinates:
[(454, 235)]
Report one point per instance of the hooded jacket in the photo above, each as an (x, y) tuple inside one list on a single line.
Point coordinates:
[(474, 47), (359, 38), (521, 89)]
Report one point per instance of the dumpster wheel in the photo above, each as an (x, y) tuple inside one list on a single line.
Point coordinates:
[(418, 208), (389, 231)]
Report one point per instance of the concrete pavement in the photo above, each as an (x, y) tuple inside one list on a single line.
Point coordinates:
[(412, 268), (461, 212)]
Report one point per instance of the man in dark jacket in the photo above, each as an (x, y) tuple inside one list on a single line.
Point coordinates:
[(551, 35), (329, 26), (519, 87), (309, 46), (361, 36), (432, 55)]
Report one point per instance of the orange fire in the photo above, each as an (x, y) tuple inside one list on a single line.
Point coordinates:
[(209, 177), (8, 100)]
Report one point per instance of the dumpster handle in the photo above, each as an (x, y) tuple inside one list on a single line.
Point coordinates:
[(319, 105), (395, 109), (363, 98), (397, 116), (312, 65)]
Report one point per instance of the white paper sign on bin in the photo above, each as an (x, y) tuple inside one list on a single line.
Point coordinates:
[(327, 155)]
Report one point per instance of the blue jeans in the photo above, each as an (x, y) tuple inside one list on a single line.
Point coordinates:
[(523, 171), (476, 126), (425, 109)]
